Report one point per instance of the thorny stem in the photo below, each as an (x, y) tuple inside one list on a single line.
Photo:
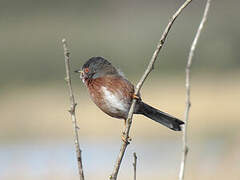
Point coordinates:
[(72, 108)]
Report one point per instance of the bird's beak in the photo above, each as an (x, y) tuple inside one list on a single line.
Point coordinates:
[(82, 75), (78, 71)]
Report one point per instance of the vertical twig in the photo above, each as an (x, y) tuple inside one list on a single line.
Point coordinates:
[(72, 108), (134, 166), (125, 143), (188, 102)]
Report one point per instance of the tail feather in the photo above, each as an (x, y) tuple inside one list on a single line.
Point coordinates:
[(159, 116)]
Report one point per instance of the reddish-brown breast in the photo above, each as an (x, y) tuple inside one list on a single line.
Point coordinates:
[(112, 94)]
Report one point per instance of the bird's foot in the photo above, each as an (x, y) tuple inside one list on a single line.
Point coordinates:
[(126, 139), (135, 96)]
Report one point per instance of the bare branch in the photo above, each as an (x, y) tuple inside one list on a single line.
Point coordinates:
[(139, 86), (135, 166), (188, 102), (72, 108)]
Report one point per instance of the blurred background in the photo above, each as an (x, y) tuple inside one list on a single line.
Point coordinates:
[(36, 139)]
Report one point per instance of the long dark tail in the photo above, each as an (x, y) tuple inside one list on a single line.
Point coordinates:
[(159, 116)]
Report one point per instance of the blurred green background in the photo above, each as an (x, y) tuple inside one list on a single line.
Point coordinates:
[(36, 131)]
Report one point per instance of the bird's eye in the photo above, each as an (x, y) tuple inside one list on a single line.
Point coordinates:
[(86, 70)]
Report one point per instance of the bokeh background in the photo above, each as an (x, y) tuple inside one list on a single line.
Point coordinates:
[(36, 139)]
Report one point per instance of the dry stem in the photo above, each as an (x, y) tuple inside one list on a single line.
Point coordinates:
[(138, 88), (188, 102), (72, 108), (134, 166)]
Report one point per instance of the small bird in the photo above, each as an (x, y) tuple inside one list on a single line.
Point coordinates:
[(113, 93)]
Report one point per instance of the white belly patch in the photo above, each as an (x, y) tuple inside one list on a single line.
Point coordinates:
[(113, 101)]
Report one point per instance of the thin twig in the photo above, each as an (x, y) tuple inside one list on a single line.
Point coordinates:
[(188, 102), (72, 108), (134, 166), (114, 174)]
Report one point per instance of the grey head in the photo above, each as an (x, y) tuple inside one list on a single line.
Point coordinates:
[(97, 67)]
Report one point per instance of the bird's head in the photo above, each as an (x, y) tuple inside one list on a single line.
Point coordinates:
[(96, 67)]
